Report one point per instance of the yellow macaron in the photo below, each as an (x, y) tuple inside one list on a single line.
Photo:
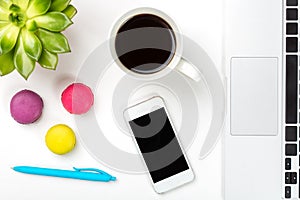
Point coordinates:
[(60, 139)]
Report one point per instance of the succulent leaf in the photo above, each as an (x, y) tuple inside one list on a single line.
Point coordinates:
[(9, 39), (23, 4), (14, 8), (23, 63), (2, 34), (3, 30), (3, 24), (38, 7), (31, 25), (32, 44), (5, 4), (48, 60), (53, 42), (53, 21), (6, 63), (70, 11), (4, 14), (59, 5)]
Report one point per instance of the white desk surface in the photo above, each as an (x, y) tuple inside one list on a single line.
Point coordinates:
[(201, 20)]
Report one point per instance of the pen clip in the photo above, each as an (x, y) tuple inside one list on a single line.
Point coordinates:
[(92, 170)]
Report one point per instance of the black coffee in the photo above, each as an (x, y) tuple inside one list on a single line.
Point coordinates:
[(145, 44)]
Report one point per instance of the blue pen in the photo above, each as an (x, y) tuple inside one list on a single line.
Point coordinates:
[(89, 174)]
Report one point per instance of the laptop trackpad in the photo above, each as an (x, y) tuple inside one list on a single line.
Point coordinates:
[(254, 96)]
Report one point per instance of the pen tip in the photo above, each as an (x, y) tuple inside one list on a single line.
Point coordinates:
[(113, 178)]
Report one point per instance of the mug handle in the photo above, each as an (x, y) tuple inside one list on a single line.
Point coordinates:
[(207, 71), (188, 70)]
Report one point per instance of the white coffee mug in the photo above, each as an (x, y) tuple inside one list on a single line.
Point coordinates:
[(175, 63)]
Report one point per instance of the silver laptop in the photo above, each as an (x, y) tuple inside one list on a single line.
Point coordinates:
[(261, 143)]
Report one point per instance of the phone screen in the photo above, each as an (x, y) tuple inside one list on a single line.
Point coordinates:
[(158, 144)]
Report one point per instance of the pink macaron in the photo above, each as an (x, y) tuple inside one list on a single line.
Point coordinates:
[(26, 107), (77, 98)]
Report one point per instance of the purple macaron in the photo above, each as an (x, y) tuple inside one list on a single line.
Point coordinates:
[(26, 107)]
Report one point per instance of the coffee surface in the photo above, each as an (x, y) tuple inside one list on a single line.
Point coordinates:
[(145, 44)]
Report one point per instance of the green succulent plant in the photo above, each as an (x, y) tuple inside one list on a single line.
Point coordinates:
[(30, 32)]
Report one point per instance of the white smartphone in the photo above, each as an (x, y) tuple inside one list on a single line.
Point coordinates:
[(155, 138)]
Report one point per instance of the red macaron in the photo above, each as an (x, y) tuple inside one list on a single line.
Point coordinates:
[(77, 98)]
